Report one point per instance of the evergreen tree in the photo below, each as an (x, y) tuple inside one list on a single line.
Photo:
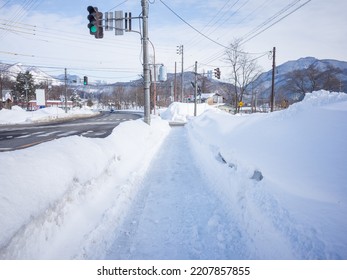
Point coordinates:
[(24, 87)]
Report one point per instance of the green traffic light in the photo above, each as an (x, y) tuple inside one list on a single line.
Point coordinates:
[(93, 29)]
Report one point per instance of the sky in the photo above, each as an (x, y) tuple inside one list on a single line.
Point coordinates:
[(54, 34)]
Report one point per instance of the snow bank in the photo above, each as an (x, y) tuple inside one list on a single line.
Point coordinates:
[(282, 176), (181, 112), (297, 159), (18, 115), (37, 183)]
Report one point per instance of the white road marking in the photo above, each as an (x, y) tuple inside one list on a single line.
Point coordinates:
[(67, 133), (48, 133)]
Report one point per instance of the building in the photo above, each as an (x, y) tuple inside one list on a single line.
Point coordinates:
[(49, 103), (6, 100), (211, 98)]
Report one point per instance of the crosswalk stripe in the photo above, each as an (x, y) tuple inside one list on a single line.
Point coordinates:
[(48, 133), (67, 133)]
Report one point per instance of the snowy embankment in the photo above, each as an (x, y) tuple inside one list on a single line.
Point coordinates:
[(281, 176), (18, 115), (181, 112), (61, 189)]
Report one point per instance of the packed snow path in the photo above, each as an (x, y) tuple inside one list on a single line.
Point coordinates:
[(175, 215)]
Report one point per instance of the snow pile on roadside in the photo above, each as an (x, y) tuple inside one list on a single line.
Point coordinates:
[(38, 185), (18, 115), (283, 175), (181, 112)]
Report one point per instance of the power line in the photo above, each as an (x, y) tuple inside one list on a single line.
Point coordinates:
[(219, 54), (202, 34), (37, 31), (231, 15), (5, 4), (18, 54), (197, 39), (263, 30), (270, 19), (21, 12), (61, 69), (117, 6)]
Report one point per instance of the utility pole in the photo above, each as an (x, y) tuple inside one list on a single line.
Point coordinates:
[(196, 87), (154, 78), (146, 77), (1, 89), (180, 52), (175, 84), (65, 90), (182, 77), (172, 95), (272, 101), (26, 87), (154, 88)]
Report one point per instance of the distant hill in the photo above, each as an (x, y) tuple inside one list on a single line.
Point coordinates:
[(263, 83), (261, 86)]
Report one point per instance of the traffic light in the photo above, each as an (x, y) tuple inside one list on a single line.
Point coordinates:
[(85, 80), (95, 22), (217, 73)]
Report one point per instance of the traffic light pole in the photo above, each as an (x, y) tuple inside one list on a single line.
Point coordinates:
[(196, 87), (65, 94), (272, 100), (182, 73), (146, 76), (95, 27)]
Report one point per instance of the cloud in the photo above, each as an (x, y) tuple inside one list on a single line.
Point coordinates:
[(64, 42), (62, 39)]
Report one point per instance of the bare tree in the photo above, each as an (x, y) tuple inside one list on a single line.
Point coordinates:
[(312, 78), (297, 81), (330, 80), (118, 96), (244, 70)]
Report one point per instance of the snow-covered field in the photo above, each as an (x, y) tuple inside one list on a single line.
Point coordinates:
[(260, 186)]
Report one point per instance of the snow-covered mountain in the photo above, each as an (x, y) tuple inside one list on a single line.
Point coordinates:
[(12, 70)]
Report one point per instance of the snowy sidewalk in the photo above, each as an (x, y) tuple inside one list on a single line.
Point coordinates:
[(175, 215)]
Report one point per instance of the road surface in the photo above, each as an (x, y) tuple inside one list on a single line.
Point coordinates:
[(13, 137)]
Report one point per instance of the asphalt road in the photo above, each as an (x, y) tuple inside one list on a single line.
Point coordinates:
[(13, 137)]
